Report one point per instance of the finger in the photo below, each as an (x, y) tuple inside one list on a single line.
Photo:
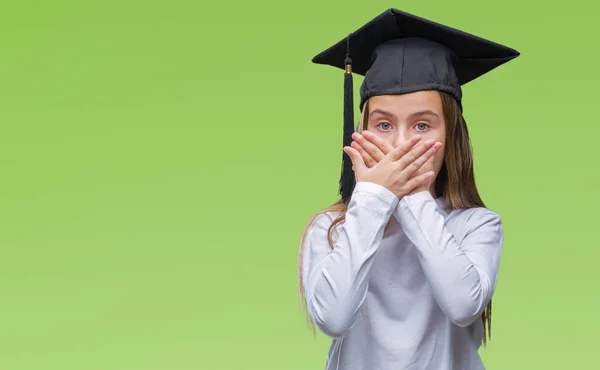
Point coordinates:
[(369, 161), (411, 154), (378, 142), (431, 163), (401, 150), (373, 150), (423, 179), (420, 162), (424, 160), (357, 161), (415, 153)]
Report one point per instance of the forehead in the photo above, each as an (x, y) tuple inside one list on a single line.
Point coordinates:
[(406, 104)]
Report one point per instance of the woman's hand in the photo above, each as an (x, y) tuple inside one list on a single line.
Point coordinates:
[(395, 170), (372, 149)]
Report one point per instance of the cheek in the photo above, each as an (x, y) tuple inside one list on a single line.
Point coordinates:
[(435, 134), (387, 138), (439, 135)]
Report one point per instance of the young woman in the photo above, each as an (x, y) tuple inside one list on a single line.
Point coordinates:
[(400, 272)]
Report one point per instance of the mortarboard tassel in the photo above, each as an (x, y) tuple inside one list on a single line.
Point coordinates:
[(347, 180)]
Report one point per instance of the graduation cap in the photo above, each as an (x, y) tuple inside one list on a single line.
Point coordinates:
[(399, 53)]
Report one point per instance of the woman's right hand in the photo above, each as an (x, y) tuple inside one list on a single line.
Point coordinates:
[(396, 169)]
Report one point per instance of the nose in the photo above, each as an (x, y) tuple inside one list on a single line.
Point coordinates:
[(402, 137)]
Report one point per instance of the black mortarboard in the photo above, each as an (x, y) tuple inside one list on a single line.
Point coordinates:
[(399, 53)]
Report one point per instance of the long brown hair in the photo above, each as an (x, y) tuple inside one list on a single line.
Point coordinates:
[(455, 183)]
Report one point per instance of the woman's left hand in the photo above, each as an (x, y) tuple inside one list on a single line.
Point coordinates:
[(372, 148)]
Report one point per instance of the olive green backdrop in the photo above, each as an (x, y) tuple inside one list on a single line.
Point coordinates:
[(160, 160)]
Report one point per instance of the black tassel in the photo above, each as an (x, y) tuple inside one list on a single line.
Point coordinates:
[(347, 180)]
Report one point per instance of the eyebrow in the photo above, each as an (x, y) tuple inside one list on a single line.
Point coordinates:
[(381, 111), (424, 112)]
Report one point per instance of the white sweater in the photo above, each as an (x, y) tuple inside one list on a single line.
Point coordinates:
[(409, 299)]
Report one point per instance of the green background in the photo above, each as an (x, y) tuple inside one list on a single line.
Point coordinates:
[(160, 160)]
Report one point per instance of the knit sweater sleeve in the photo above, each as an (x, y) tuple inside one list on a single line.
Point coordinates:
[(336, 280), (462, 273)]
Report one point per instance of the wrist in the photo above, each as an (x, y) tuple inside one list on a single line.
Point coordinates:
[(417, 190)]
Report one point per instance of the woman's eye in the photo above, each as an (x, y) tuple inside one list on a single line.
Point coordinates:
[(422, 126), (383, 126)]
